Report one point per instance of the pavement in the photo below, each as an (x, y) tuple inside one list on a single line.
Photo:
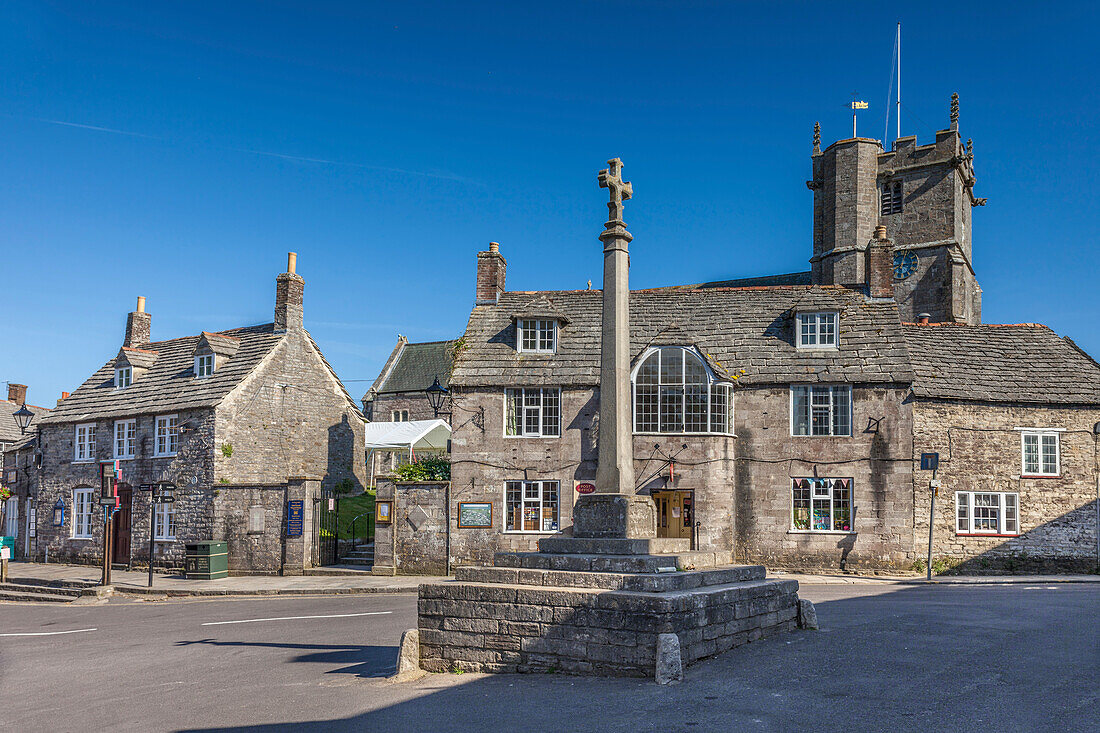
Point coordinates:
[(361, 581), (889, 656), (135, 582)]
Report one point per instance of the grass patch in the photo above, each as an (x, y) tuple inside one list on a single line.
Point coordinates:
[(351, 507)]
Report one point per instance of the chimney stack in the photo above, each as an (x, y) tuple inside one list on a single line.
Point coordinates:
[(289, 293), (923, 318), (491, 267), (138, 325), (17, 393), (880, 265)]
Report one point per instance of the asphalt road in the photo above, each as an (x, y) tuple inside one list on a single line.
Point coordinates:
[(888, 657)]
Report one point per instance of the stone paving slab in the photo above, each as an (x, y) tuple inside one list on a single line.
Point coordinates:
[(133, 582), (849, 579)]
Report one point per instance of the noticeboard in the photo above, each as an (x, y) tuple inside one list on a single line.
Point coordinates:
[(294, 514)]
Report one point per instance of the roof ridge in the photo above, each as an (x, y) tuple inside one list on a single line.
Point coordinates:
[(212, 333), (979, 325)]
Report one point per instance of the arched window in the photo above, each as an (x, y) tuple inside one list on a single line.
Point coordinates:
[(675, 392)]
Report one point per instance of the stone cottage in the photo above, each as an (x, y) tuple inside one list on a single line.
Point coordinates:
[(19, 459), (250, 424), (782, 419), (398, 393)]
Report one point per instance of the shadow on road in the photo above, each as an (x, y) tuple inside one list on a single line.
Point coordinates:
[(363, 661), (902, 658)]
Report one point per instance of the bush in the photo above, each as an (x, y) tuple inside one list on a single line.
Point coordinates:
[(432, 468)]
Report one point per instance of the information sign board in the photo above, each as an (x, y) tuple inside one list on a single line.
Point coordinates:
[(294, 518)]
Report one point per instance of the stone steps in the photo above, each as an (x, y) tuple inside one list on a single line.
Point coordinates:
[(600, 563), (613, 546), (639, 582), (7, 594), (50, 590)]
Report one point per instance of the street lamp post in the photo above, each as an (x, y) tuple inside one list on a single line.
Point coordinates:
[(23, 418), (437, 394)]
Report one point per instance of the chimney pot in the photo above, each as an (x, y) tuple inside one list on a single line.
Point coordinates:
[(494, 247), (141, 304), (880, 232), (17, 393), (923, 318), (291, 262)]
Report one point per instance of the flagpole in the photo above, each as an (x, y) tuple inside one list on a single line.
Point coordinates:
[(899, 80)]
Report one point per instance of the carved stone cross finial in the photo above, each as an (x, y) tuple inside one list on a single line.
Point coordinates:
[(611, 178), (955, 109), (817, 137)]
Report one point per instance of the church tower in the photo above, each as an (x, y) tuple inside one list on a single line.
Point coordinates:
[(923, 195)]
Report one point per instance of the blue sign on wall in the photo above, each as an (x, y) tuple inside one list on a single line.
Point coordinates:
[(294, 518)]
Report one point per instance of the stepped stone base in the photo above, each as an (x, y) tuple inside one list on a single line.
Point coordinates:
[(528, 615)]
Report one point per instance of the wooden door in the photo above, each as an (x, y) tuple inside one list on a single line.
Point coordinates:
[(120, 528), (675, 515)]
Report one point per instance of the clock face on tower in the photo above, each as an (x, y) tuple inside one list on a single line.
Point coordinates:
[(905, 264)]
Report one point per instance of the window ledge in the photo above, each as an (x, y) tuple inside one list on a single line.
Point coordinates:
[(983, 534), (84, 460), (527, 532), (687, 435), (822, 531), (1041, 475), (532, 437), (81, 539), (165, 455)]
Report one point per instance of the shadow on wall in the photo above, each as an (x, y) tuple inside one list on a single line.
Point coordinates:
[(342, 453), (1066, 544)]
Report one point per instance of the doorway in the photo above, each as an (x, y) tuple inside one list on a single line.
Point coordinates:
[(120, 528), (675, 514)]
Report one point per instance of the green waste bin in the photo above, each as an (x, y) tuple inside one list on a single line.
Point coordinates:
[(206, 560)]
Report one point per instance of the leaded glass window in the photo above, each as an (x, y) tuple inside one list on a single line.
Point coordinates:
[(532, 412), (821, 410), (821, 504), (675, 392)]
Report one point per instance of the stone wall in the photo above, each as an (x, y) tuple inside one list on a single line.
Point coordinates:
[(525, 625), (415, 402), (191, 469), (417, 536), (980, 450), (289, 418), (877, 457), (483, 459)]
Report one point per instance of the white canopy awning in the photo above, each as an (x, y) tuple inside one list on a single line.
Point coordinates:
[(415, 435)]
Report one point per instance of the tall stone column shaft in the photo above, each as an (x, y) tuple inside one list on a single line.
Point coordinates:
[(615, 464)]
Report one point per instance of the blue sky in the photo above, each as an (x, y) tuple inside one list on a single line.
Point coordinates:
[(179, 150)]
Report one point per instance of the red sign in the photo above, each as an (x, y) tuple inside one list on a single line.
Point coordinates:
[(585, 488)]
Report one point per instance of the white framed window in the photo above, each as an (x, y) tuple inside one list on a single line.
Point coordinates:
[(83, 512), (1041, 454), (532, 412), (821, 409), (537, 335), (124, 377), (399, 416), (84, 442), (987, 513), (821, 504), (675, 392), (167, 435), (125, 438), (165, 516), (204, 365), (818, 330), (890, 198), (531, 506)]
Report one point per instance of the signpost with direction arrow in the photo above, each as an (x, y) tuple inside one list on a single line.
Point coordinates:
[(159, 493)]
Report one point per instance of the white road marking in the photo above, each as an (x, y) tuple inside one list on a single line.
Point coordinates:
[(48, 633), (295, 618)]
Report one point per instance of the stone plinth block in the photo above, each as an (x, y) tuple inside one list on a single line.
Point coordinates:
[(613, 546), (615, 515), (516, 619)]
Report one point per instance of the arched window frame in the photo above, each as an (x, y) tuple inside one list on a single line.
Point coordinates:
[(718, 396)]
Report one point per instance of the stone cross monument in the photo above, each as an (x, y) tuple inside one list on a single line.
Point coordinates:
[(615, 510)]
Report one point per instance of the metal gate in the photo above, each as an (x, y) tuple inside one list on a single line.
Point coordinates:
[(324, 528)]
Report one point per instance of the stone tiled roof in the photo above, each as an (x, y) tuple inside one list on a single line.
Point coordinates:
[(415, 368), (1000, 363), (170, 383), (736, 328), (9, 430)]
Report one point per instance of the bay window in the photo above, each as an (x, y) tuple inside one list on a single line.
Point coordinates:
[(676, 392)]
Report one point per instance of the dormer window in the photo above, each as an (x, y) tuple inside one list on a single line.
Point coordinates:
[(817, 330), (124, 377), (537, 336), (204, 365), (676, 392)]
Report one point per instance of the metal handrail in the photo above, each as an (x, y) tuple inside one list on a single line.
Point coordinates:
[(354, 520)]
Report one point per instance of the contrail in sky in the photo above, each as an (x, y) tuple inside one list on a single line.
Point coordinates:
[(265, 153)]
